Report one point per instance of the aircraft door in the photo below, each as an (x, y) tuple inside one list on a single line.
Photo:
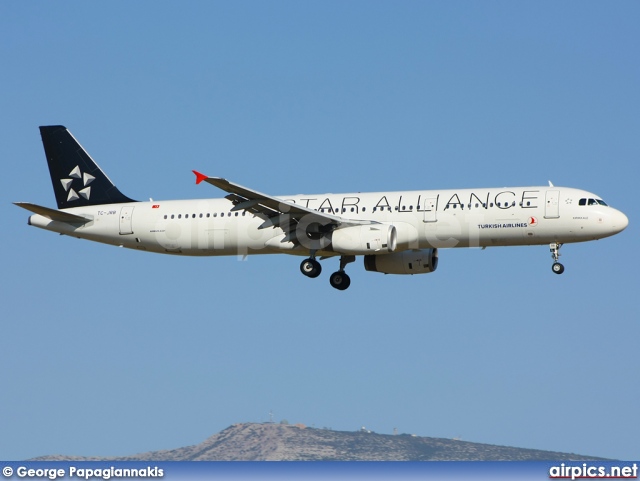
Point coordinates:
[(552, 207), (430, 209), (125, 220)]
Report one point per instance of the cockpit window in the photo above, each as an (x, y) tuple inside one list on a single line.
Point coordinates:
[(592, 202)]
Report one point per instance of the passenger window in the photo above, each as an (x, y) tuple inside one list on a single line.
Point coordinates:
[(364, 209), (179, 216), (172, 216), (165, 216)]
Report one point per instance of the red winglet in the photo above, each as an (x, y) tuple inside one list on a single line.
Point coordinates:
[(199, 177)]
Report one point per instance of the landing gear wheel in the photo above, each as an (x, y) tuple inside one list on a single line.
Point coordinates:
[(340, 280), (554, 247), (310, 268)]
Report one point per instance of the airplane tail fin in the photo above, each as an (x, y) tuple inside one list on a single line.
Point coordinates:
[(77, 180)]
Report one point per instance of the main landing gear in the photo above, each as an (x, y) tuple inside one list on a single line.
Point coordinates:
[(311, 267), (339, 280), (557, 268)]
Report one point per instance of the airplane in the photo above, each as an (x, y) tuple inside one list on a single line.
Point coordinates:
[(396, 232)]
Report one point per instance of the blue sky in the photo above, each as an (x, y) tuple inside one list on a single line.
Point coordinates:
[(110, 352)]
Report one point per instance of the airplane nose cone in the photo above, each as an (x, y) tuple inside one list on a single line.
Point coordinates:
[(620, 221)]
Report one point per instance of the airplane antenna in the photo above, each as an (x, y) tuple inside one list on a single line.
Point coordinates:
[(550, 184)]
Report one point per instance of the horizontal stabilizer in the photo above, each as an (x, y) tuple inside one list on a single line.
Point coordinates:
[(53, 214)]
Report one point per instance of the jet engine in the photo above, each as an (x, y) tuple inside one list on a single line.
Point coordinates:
[(364, 239), (420, 261)]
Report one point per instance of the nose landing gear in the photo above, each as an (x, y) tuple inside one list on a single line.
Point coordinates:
[(557, 268)]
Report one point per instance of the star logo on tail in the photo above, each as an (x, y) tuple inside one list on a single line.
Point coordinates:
[(85, 178)]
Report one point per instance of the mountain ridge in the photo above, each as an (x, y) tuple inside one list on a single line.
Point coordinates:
[(285, 442)]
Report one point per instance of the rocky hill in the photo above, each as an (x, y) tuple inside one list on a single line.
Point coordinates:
[(280, 442)]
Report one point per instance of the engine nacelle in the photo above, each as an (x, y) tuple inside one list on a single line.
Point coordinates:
[(407, 262), (364, 239)]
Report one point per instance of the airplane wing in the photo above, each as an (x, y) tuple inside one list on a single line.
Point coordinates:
[(276, 212), (53, 214)]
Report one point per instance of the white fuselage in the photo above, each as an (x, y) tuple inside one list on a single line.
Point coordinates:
[(423, 219)]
